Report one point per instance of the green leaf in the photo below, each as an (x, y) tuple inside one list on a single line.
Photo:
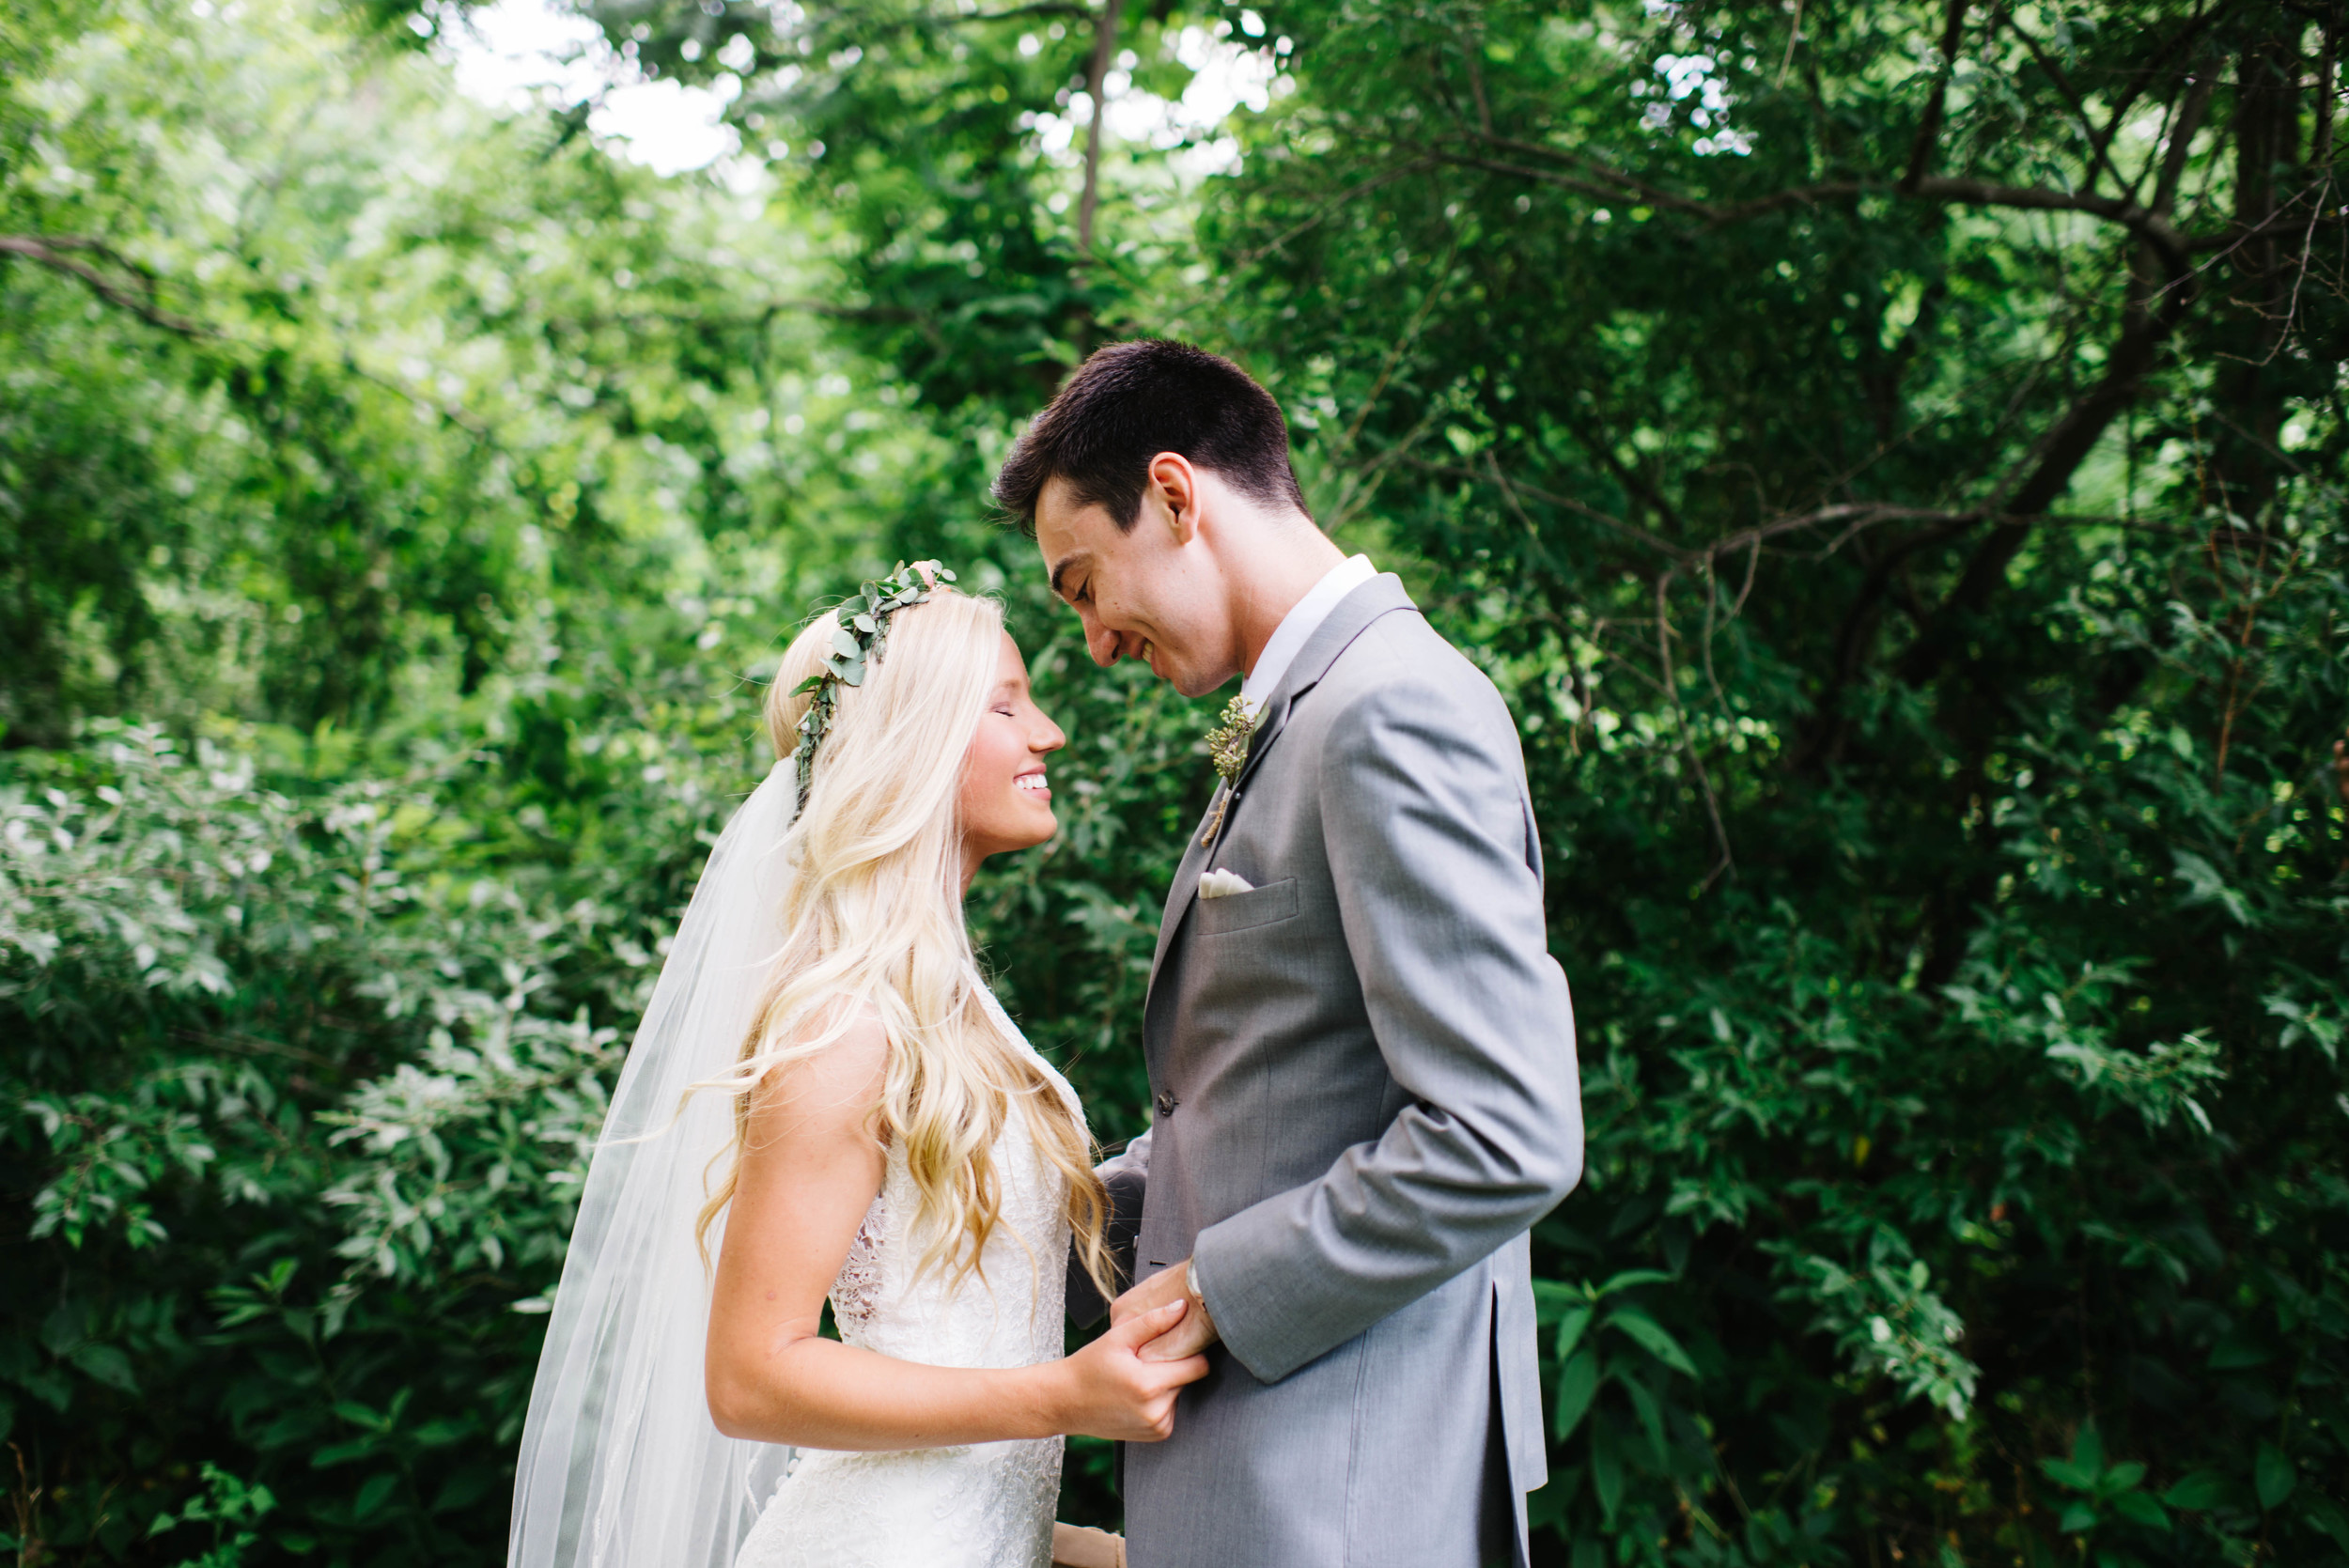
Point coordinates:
[(2066, 1473), (1653, 1337), (108, 1365), (2331, 1518), (374, 1495), (440, 1434), (2078, 1516), (2273, 1476), (2199, 1490), (2139, 1508), (466, 1487), (2239, 1350), (2205, 886), (1577, 1384), (2088, 1448), (1549, 1296), (343, 1453), (1634, 1277), (1650, 1418), (1606, 1471), (1570, 1331), (50, 1386)]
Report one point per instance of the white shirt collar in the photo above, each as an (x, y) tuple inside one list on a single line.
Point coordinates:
[(1298, 626)]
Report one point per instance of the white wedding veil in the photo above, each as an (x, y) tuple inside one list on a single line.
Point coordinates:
[(620, 1464)]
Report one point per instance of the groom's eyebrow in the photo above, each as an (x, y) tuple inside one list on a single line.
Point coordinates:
[(1061, 569)]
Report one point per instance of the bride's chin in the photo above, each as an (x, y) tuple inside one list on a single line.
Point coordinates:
[(1009, 843)]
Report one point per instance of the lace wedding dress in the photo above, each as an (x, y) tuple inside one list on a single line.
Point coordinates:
[(982, 1505)]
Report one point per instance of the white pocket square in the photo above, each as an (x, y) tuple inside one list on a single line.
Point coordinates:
[(1218, 884)]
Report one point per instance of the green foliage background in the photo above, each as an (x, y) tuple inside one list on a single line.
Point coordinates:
[(1889, 455)]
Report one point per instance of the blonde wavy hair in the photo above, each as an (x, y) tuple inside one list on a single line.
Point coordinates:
[(872, 919)]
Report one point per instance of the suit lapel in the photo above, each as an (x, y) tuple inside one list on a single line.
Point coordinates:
[(1187, 873), (1382, 595)]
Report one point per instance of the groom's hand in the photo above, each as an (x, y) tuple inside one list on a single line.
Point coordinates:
[(1189, 1337)]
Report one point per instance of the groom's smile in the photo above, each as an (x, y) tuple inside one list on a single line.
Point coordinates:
[(1151, 591)]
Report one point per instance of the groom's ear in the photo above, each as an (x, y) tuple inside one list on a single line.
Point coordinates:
[(1173, 495)]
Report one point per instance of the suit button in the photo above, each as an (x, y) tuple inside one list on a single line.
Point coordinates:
[(1166, 1105)]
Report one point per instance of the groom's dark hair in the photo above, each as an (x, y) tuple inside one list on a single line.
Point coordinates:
[(1130, 401)]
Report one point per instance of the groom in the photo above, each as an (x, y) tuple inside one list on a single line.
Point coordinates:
[(1360, 1052)]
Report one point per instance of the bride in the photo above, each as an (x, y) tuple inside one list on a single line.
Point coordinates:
[(825, 1102)]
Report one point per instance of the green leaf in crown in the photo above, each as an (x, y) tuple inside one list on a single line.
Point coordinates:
[(860, 633)]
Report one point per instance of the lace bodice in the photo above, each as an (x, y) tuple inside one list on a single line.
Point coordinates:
[(986, 1505), (1007, 1313)]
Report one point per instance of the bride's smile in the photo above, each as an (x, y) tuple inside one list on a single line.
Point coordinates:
[(1005, 802)]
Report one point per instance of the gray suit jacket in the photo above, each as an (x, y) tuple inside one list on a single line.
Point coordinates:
[(1365, 1093)]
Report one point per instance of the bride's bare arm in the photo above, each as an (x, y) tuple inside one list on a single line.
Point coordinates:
[(812, 1164)]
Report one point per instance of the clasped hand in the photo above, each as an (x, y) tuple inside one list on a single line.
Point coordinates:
[(1118, 1389), (1189, 1335), (1125, 1381)]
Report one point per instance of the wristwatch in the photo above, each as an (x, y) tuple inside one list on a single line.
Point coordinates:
[(1191, 1287)]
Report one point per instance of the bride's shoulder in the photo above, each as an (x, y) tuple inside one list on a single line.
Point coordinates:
[(837, 1064)]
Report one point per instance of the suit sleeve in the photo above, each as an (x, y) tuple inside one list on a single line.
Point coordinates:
[(1430, 847), (1126, 1176)]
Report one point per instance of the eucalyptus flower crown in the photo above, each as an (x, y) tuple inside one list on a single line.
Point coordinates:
[(860, 633)]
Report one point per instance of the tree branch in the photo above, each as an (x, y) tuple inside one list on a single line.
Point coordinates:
[(1563, 503), (1096, 73), (1929, 129), (2046, 470), (2182, 142), (1855, 517), (2079, 107), (1044, 8), (1611, 185), (1614, 184), (2145, 73), (1852, 638), (2321, 139), (757, 316), (49, 251), (1386, 176), (2150, 223), (1401, 346), (1688, 742)]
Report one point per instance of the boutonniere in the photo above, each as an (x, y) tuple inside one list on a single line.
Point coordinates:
[(1227, 743), (1227, 748)]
